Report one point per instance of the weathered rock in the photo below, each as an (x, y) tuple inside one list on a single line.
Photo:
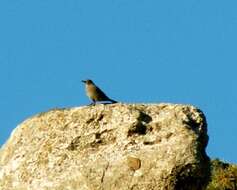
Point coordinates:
[(108, 147)]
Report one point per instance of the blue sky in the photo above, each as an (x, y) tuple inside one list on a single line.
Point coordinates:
[(136, 51)]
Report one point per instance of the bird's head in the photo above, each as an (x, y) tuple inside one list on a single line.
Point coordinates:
[(88, 81)]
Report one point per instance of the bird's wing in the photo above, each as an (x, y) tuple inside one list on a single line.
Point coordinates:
[(102, 95)]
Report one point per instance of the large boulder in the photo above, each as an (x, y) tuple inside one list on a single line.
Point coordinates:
[(108, 147)]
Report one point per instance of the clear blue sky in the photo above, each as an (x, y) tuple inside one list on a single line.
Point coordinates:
[(135, 50)]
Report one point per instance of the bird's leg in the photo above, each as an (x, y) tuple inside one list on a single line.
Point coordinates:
[(93, 103)]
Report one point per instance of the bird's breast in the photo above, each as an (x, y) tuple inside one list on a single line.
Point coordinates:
[(91, 91)]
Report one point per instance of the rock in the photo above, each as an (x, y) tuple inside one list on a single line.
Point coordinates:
[(108, 147), (134, 163)]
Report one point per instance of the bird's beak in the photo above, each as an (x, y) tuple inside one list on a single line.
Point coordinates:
[(83, 81)]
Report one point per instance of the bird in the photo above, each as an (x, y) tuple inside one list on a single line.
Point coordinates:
[(95, 93)]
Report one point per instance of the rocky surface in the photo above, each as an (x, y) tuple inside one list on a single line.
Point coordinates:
[(108, 147)]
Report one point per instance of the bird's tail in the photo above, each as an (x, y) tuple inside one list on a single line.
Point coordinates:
[(113, 101)]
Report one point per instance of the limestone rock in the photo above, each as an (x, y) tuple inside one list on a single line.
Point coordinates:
[(108, 147)]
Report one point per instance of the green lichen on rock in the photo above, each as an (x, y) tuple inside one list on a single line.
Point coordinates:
[(223, 176)]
